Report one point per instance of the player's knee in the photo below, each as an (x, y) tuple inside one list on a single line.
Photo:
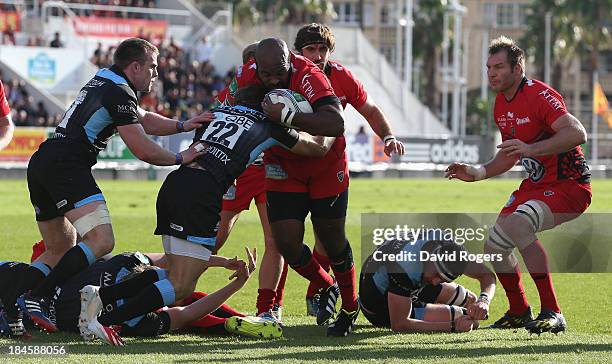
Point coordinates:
[(498, 242), (91, 227), (300, 259), (101, 241), (182, 288)]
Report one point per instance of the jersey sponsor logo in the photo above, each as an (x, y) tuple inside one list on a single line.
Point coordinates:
[(106, 279), (94, 83), (534, 168), (176, 227), (552, 100), (307, 86), (61, 204), (218, 153), (275, 171), (233, 87), (548, 193), (125, 109), (522, 121)]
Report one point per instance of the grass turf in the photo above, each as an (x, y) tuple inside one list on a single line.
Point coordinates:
[(583, 297)]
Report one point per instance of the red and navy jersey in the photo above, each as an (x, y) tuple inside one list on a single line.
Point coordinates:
[(529, 116), (4, 106)]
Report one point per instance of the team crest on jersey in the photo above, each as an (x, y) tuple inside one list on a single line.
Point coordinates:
[(340, 176), (534, 168)]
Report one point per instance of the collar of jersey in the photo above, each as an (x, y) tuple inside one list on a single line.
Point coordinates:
[(114, 69)]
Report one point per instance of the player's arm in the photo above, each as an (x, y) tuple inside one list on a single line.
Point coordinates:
[(381, 126), (501, 163), (313, 146), (181, 316), (327, 118), (479, 310), (156, 124), (6, 130), (148, 151), (399, 316), (569, 133)]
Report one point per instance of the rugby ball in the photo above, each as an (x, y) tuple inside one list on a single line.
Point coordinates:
[(294, 103), (293, 100)]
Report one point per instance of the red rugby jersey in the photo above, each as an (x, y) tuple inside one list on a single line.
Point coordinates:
[(306, 78), (528, 116)]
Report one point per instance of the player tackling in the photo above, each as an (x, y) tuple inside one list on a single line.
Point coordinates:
[(537, 130)]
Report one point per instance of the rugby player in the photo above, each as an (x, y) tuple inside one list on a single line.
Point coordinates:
[(316, 42), (247, 187), (412, 295), (296, 185), (188, 206), (538, 131), (6, 122), (197, 311), (65, 196)]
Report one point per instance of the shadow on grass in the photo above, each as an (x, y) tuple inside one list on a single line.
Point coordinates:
[(308, 343)]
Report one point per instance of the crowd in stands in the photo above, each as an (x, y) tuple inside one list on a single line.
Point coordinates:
[(142, 4), (184, 87), (25, 111)]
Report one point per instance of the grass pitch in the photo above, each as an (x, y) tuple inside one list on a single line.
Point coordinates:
[(585, 298)]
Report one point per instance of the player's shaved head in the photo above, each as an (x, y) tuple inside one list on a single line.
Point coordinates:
[(272, 58)]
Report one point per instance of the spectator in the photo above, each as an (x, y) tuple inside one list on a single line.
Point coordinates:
[(361, 137), (203, 50), (56, 42)]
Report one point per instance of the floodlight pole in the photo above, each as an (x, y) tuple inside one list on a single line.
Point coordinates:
[(408, 45)]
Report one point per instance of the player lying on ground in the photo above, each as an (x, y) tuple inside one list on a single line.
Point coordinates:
[(416, 296), (188, 206), (201, 311), (537, 130)]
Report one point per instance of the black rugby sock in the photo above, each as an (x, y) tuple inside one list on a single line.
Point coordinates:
[(149, 299), (31, 277), (74, 261), (130, 287)]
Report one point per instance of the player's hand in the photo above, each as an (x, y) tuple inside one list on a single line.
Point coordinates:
[(479, 310), (194, 151), (244, 271), (464, 324), (272, 111), (515, 147), (198, 121), (459, 171), (394, 146), (233, 264)]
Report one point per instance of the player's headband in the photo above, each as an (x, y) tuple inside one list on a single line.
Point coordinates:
[(311, 42)]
